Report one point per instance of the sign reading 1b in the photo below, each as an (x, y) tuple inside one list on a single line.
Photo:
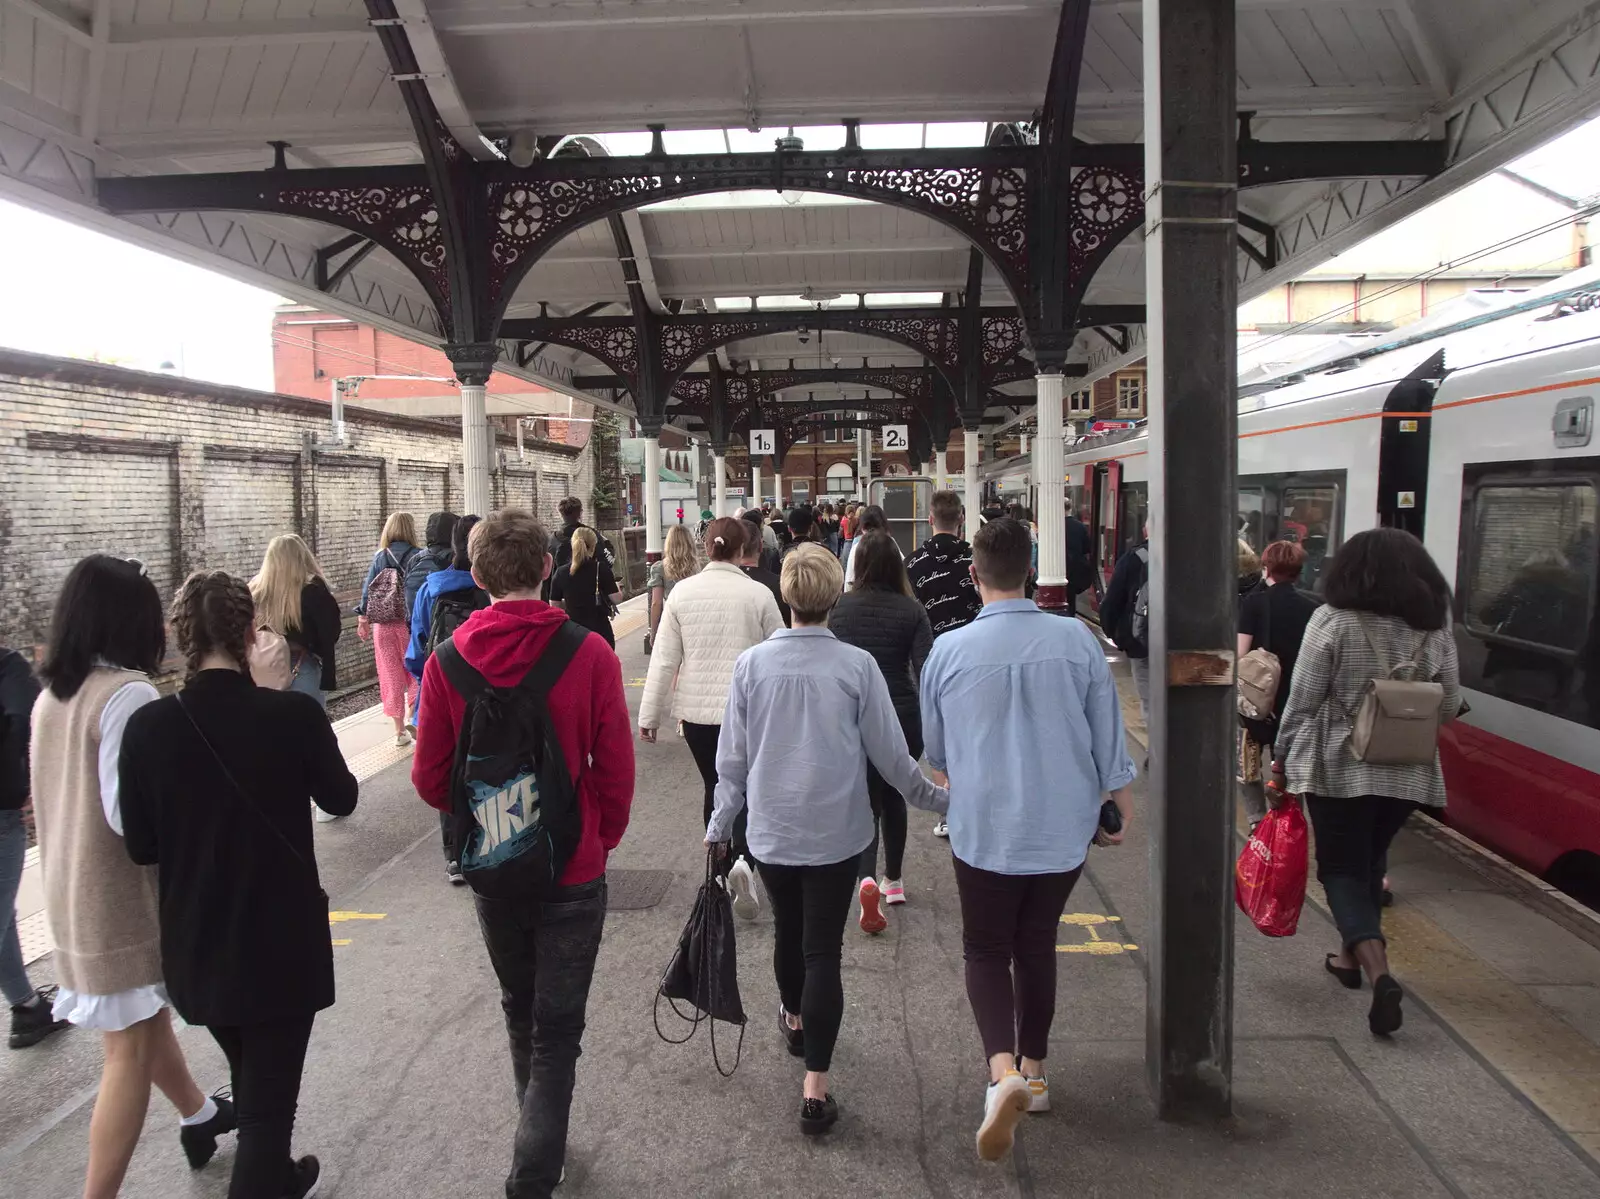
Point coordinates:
[(763, 441), (896, 437)]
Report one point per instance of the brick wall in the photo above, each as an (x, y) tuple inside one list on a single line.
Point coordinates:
[(184, 475)]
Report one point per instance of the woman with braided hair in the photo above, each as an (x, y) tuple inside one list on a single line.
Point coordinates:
[(215, 781)]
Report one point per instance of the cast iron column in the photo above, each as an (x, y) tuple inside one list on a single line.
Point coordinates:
[(755, 482), (473, 366), (719, 472), (863, 459), (941, 470), (1191, 177), (1050, 475), (777, 487), (652, 490), (969, 477)]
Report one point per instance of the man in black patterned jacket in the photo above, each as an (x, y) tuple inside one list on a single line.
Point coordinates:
[(941, 570)]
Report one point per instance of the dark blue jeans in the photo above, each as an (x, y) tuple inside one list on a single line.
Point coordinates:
[(14, 984), (543, 952), (1353, 838)]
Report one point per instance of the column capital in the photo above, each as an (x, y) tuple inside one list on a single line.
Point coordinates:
[(474, 362), (650, 425)]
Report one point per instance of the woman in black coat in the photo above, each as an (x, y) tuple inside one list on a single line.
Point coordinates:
[(881, 616), (214, 784)]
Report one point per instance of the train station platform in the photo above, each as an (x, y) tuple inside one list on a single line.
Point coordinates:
[(1492, 1088)]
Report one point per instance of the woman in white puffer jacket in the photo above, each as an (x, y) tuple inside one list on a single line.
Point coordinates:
[(710, 619)]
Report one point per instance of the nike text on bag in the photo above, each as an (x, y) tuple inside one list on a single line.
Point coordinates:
[(386, 596), (270, 661), (1397, 721), (1140, 624), (515, 806), (450, 612), (1259, 674)]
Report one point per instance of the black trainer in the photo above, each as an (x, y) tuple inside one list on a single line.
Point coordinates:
[(818, 1115), (1385, 1016), (452, 871), (200, 1140), (32, 1022), (307, 1174)]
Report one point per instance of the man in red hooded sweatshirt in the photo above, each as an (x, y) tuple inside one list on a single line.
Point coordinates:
[(542, 946)]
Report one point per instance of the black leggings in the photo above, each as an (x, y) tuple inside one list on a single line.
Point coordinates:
[(810, 905), (265, 1061), (889, 811), (702, 741), (1008, 935)]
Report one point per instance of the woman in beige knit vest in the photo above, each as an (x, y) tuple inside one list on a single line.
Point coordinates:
[(107, 636)]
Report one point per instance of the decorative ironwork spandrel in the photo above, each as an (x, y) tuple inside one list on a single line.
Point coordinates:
[(403, 220), (1002, 337), (1107, 204)]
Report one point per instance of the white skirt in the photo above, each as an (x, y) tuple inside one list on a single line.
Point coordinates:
[(110, 1013)]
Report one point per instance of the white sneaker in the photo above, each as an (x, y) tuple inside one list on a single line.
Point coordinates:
[(742, 886), (322, 817), (1039, 1090), (941, 829), (1003, 1108)]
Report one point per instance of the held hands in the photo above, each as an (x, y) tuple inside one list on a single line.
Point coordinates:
[(940, 778), (647, 735)]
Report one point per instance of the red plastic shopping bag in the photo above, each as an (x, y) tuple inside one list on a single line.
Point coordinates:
[(1270, 881)]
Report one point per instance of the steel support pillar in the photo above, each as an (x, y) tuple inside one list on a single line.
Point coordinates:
[(1050, 478), (969, 478), (652, 495), (1191, 210), (719, 471), (941, 470)]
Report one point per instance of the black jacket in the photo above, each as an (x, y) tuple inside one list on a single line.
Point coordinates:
[(18, 690), (771, 582), (321, 622), (561, 551), (941, 576), (1116, 609), (1080, 551), (244, 922), (894, 629)]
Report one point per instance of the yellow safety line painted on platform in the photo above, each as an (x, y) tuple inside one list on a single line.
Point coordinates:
[(1089, 922), (341, 917), (341, 940), (636, 682)]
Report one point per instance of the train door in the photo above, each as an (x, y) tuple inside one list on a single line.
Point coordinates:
[(1107, 518)]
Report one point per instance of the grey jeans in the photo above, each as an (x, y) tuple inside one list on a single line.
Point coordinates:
[(14, 984), (543, 952), (1140, 669)]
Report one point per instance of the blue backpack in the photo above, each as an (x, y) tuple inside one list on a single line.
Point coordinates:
[(514, 803)]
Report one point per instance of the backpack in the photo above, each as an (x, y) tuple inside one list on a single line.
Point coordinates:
[(1396, 722), (516, 818), (270, 660), (386, 596), (422, 564), (1139, 625), (451, 610), (1257, 677)]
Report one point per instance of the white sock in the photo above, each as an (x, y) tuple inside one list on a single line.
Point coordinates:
[(208, 1111)]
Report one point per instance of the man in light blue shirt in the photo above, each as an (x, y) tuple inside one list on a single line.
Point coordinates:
[(1020, 710)]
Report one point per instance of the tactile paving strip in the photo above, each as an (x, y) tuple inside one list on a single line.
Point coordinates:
[(380, 757)]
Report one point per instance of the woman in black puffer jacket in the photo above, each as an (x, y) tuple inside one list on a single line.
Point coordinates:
[(880, 615)]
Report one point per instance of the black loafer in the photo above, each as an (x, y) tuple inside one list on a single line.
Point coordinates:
[(1348, 976), (818, 1115), (199, 1141), (795, 1038), (1385, 1016)]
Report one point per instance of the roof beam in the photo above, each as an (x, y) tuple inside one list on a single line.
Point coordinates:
[(126, 37), (440, 82), (62, 20), (1427, 50)]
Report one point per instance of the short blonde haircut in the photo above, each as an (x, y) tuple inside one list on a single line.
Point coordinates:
[(1249, 564), (812, 581), (401, 526), (508, 549)]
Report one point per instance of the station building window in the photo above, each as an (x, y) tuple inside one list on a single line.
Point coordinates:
[(1130, 395), (1081, 403)]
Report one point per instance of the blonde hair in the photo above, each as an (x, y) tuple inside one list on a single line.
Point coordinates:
[(401, 526), (583, 546), (286, 568), (679, 560), (1249, 564), (508, 549), (811, 582)]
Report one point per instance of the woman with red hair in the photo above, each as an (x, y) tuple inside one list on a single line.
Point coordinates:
[(1273, 618)]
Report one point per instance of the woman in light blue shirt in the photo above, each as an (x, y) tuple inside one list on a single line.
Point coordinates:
[(805, 714)]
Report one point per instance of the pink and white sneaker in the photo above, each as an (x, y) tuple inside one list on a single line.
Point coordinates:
[(872, 918), (894, 891)]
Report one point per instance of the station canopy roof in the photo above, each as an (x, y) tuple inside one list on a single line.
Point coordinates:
[(99, 88)]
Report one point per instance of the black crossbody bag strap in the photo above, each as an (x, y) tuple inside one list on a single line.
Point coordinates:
[(248, 800)]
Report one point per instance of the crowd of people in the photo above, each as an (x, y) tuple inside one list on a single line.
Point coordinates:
[(807, 661)]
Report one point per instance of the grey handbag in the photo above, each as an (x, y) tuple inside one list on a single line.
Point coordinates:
[(1397, 721)]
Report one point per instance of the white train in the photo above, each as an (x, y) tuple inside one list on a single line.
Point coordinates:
[(1477, 437)]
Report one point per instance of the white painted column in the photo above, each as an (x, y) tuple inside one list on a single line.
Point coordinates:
[(719, 468), (755, 483), (475, 449), (1049, 476), (969, 474), (1024, 446), (652, 497), (863, 458), (777, 489), (941, 469)]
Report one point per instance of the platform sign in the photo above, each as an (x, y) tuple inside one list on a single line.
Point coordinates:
[(763, 441), (896, 437)]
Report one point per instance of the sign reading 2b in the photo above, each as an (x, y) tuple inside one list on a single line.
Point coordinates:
[(763, 441), (896, 437)]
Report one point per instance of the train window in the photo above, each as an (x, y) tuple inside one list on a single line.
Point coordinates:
[(1303, 508), (1525, 586), (1252, 516), (1135, 503)]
